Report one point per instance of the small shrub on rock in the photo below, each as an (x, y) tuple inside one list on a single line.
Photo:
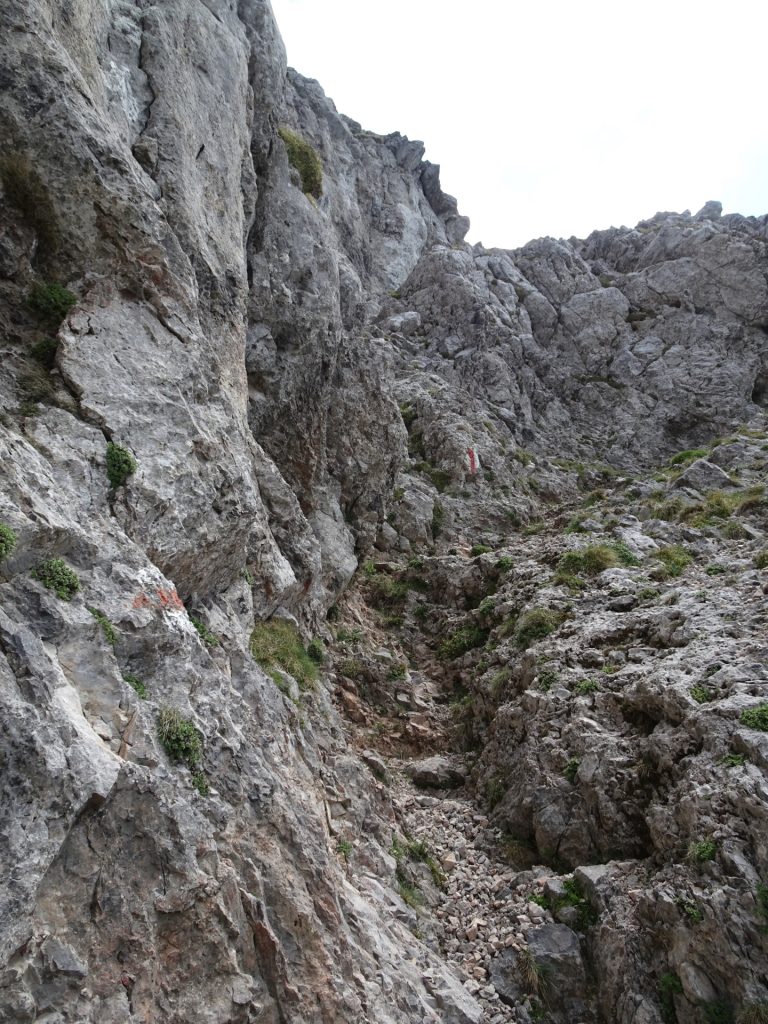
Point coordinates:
[(7, 541), (718, 1011), (200, 782), (625, 556), (754, 1013), (761, 559), (499, 681), (762, 900), (734, 531), (464, 639), (494, 792), (702, 694), (571, 770), (755, 718), (438, 520), (536, 624), (702, 850), (51, 302), (56, 575), (45, 351), (546, 679), (120, 464), (179, 738), (411, 895), (109, 631), (24, 189), (440, 479), (573, 896), (585, 686), (385, 591), (316, 650), (669, 986), (136, 684), (692, 910), (209, 639), (733, 761), (673, 560)]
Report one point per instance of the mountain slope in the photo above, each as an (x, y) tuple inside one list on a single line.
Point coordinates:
[(217, 393)]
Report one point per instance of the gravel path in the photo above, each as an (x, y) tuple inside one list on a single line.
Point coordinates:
[(481, 910)]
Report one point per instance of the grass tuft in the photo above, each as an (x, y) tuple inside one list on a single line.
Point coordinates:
[(7, 541), (109, 631), (690, 455), (209, 639), (755, 718), (137, 684), (536, 624), (179, 738), (276, 644), (673, 560)]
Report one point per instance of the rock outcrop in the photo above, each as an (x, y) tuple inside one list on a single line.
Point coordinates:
[(221, 391)]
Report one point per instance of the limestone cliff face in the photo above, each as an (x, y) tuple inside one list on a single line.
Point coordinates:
[(296, 381), (218, 336)]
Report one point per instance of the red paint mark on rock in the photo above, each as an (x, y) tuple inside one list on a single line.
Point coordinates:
[(162, 599), (170, 599)]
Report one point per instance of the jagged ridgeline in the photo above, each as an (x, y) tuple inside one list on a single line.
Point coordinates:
[(382, 618)]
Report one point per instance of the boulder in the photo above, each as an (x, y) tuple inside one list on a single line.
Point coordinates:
[(437, 772), (703, 475), (551, 970)]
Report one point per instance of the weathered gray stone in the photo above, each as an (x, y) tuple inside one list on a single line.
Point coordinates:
[(704, 476), (436, 773), (551, 969)]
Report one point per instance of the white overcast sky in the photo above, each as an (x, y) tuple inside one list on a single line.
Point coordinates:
[(554, 117)]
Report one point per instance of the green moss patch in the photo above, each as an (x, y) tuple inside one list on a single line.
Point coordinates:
[(306, 161)]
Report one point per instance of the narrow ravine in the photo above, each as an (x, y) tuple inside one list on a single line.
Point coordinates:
[(539, 703), (481, 910)]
